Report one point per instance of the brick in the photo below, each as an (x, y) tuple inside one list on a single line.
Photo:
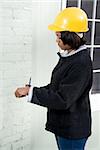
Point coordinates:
[(15, 71)]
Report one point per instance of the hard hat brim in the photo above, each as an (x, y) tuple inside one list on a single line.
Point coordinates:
[(55, 28)]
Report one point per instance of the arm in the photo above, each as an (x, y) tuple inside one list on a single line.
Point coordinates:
[(69, 91), (31, 92), (27, 90)]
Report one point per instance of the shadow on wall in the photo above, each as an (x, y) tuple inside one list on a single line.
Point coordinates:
[(94, 141)]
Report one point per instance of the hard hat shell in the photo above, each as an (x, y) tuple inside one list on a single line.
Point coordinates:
[(71, 19)]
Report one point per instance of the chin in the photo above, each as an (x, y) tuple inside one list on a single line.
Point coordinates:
[(61, 48)]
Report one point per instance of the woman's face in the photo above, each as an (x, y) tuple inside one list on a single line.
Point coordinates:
[(60, 42)]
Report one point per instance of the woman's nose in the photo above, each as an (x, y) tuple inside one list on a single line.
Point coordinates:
[(57, 40)]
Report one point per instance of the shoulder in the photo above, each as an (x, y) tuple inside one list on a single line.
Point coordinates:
[(83, 59)]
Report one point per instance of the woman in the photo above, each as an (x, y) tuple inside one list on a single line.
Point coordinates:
[(67, 95)]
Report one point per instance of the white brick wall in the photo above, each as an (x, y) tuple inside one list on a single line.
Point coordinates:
[(15, 70)]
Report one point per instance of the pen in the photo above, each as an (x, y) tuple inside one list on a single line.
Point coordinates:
[(29, 84)]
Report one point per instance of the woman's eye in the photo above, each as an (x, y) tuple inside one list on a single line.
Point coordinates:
[(58, 34)]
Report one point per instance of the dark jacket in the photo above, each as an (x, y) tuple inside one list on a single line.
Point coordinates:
[(67, 96)]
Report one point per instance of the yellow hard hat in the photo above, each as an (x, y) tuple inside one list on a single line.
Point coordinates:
[(71, 19)]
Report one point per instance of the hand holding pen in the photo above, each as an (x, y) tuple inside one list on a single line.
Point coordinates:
[(23, 91)]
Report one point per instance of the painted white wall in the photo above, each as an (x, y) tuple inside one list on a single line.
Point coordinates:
[(93, 141), (44, 58)]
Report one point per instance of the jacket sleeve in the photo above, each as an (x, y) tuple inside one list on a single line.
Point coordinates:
[(70, 89)]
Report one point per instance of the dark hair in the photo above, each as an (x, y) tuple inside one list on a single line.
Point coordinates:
[(72, 39)]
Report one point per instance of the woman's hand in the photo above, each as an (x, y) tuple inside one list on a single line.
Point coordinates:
[(22, 92)]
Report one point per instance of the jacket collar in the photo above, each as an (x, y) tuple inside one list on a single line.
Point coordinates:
[(66, 54)]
